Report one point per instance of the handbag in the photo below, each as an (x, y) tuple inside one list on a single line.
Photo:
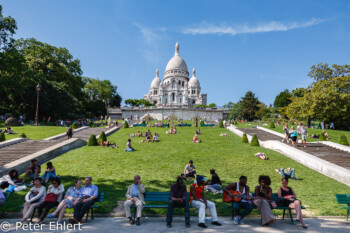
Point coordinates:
[(51, 197)]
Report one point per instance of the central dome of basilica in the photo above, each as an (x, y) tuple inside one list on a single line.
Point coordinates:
[(176, 63)]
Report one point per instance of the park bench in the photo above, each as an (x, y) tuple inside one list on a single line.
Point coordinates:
[(344, 199), (273, 198), (137, 125), (184, 125), (207, 125), (162, 197), (100, 199)]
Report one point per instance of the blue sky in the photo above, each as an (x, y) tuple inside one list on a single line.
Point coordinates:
[(235, 46)]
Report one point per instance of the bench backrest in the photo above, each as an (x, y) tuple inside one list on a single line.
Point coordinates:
[(159, 196), (343, 198), (101, 197)]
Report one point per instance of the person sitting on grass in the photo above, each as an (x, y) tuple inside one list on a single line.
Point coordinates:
[(87, 197), (8, 130), (178, 198), (34, 198), (71, 196), (128, 146), (244, 203), (198, 201), (12, 178), (224, 135), (33, 170), (198, 131), (215, 184), (195, 139), (288, 198), (135, 196), (132, 135), (107, 144), (148, 133), (314, 136), (174, 130), (326, 135), (261, 155), (155, 137), (53, 197), (170, 131), (49, 173), (190, 171), (3, 186), (287, 173), (139, 134)]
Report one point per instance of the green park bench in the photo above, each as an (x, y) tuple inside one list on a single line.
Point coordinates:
[(184, 125), (207, 125), (162, 197), (344, 199), (273, 198), (100, 199), (137, 125)]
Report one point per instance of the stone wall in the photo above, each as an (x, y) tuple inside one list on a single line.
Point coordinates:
[(162, 113)]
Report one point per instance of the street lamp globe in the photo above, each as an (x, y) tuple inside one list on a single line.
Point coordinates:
[(38, 87)]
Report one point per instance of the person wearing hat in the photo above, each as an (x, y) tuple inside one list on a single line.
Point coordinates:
[(197, 200)]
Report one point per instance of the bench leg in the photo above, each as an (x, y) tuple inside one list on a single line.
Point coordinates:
[(135, 212), (92, 213), (87, 215), (347, 216), (284, 211), (233, 211), (291, 216)]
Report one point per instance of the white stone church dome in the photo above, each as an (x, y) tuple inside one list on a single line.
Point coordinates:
[(194, 82), (176, 62), (156, 81)]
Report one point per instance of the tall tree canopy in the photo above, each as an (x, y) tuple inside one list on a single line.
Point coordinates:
[(283, 99)]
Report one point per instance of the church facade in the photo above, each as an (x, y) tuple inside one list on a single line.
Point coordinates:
[(176, 89)]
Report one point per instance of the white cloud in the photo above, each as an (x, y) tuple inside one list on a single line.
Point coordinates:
[(273, 26), (151, 38)]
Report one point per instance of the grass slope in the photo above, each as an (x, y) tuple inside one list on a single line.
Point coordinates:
[(158, 164), (34, 132)]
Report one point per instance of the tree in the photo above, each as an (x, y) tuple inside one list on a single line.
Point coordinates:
[(254, 141), (298, 92), (229, 105), (283, 99), (244, 138), (8, 27), (263, 111), (249, 106), (221, 124), (328, 100), (324, 72), (212, 105)]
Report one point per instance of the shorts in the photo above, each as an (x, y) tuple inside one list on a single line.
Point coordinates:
[(303, 137), (191, 174), (294, 138)]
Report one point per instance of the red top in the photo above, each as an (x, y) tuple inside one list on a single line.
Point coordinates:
[(198, 191)]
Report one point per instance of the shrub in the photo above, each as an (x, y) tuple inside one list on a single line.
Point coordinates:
[(322, 137), (102, 136), (23, 135), (2, 137), (92, 140), (201, 122), (343, 140), (221, 124), (143, 122), (245, 138), (74, 125), (126, 125), (272, 125), (254, 141)]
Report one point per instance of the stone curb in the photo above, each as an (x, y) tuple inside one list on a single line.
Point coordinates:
[(12, 141), (64, 134), (324, 167), (336, 145), (21, 164)]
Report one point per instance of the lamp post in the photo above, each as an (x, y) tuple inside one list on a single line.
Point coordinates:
[(38, 87)]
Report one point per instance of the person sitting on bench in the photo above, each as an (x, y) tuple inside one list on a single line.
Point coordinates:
[(243, 188), (263, 195), (198, 200), (288, 198), (71, 195), (190, 170), (178, 198), (33, 170), (87, 197), (53, 197), (135, 196), (34, 198)]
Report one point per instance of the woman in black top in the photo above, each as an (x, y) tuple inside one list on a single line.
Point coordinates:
[(289, 199)]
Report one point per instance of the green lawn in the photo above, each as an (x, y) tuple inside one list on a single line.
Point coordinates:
[(334, 135), (158, 164), (34, 132)]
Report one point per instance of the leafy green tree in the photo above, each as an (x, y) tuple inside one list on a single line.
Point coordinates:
[(212, 105), (254, 141), (92, 140), (343, 140), (249, 104), (229, 105), (221, 124), (102, 137), (283, 99), (244, 138), (324, 72), (8, 27), (298, 92), (126, 124)]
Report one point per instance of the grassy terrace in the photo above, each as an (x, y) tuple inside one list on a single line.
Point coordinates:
[(158, 164), (334, 135), (34, 132)]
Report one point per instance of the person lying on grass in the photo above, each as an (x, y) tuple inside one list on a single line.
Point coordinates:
[(261, 155), (224, 135), (107, 144)]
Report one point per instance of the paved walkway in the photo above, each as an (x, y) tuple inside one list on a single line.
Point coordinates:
[(328, 153), (157, 225)]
